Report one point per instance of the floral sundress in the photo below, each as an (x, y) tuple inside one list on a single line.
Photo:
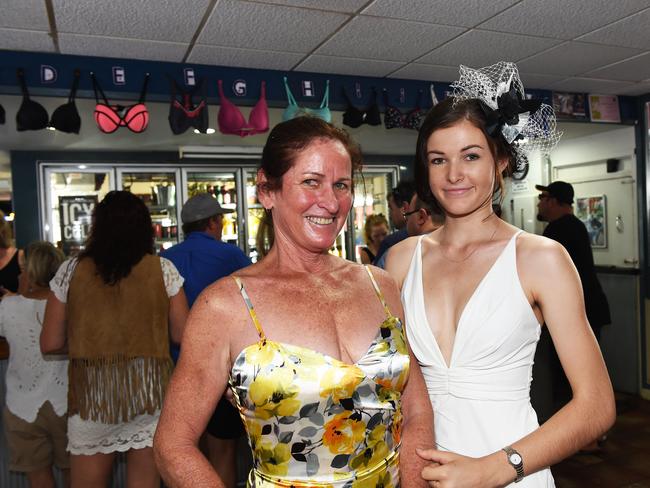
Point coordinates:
[(313, 420)]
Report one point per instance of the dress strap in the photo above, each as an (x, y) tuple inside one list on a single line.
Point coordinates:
[(380, 295), (251, 309)]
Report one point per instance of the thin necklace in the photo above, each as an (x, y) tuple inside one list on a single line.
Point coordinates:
[(496, 227)]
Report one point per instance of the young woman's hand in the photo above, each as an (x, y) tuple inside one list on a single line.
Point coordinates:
[(451, 470)]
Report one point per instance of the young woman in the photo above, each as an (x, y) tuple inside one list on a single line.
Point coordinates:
[(476, 293), (115, 309), (314, 353), (375, 231)]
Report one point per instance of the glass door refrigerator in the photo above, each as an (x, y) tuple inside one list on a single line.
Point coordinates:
[(371, 189), (68, 197), (224, 184), (157, 187)]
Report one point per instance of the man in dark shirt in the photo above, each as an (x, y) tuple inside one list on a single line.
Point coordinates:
[(201, 259), (399, 200), (555, 207)]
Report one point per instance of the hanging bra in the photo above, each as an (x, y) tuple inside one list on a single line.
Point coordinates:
[(231, 121), (394, 118), (109, 118), (183, 115), (293, 110), (353, 117), (66, 117), (31, 115)]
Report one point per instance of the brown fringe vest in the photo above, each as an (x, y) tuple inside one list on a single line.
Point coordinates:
[(118, 342)]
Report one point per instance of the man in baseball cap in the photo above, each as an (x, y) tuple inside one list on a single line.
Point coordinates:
[(201, 259), (555, 207)]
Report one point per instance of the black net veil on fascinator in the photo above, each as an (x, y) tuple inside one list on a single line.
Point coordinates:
[(527, 125)]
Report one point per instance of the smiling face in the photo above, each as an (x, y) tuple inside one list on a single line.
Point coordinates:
[(311, 207), (461, 168)]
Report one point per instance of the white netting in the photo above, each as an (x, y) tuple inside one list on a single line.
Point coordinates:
[(533, 132)]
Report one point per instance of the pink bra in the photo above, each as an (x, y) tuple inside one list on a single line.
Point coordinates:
[(231, 120)]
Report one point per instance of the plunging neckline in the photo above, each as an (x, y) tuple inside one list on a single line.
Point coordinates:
[(465, 307)]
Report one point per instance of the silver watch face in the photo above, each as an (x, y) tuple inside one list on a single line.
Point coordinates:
[(515, 458)]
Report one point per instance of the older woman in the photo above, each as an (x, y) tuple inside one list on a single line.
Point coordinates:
[(314, 353)]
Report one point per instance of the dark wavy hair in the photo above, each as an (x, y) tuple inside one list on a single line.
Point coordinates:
[(120, 236), (446, 114)]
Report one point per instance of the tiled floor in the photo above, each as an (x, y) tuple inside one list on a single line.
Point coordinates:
[(624, 461)]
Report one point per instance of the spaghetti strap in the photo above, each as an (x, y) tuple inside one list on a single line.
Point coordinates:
[(378, 291), (251, 309)]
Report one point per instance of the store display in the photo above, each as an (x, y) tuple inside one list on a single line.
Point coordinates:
[(294, 110), (231, 121), (353, 117), (66, 117), (31, 115), (186, 114), (109, 117), (394, 118)]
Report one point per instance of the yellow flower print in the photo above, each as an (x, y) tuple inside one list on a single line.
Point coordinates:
[(261, 354), (273, 460), (382, 479), (396, 426), (274, 393), (254, 429), (375, 452), (386, 392), (343, 433), (340, 382), (402, 378)]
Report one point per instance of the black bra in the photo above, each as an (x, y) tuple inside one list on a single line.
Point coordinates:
[(32, 115), (183, 115), (66, 117), (353, 117)]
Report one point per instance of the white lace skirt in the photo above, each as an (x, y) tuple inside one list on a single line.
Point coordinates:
[(87, 437)]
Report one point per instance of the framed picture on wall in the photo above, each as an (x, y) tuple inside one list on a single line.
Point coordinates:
[(592, 211)]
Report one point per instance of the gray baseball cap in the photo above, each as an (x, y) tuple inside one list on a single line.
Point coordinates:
[(201, 207)]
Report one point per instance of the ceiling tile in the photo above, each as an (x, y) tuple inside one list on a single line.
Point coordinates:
[(348, 66), (534, 80), (24, 14), (387, 39), (243, 58), (350, 6), (478, 48), (590, 85), (573, 58), (636, 89), (467, 13), (124, 48), (562, 19), (268, 27), (415, 71), (630, 32), (161, 20), (26, 40), (635, 69)]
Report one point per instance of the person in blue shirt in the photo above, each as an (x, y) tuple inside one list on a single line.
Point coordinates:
[(201, 259)]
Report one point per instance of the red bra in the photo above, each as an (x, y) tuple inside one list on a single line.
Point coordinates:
[(109, 117), (231, 120)]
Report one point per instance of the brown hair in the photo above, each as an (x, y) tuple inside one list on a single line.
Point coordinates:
[(42, 260), (287, 139), (446, 114), (373, 220), (6, 232)]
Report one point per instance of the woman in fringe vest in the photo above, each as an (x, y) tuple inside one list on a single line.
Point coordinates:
[(114, 309)]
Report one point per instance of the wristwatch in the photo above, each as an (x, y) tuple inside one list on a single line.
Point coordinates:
[(515, 460)]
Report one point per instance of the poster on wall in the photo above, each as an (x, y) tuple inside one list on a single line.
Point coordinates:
[(592, 211), (604, 108), (569, 105), (75, 215)]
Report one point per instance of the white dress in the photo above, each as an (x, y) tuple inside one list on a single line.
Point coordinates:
[(481, 401), (87, 437)]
